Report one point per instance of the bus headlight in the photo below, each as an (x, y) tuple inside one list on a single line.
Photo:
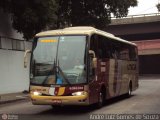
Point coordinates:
[(78, 93), (36, 93)]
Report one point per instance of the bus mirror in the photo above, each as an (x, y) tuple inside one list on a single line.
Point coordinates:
[(94, 59), (25, 58), (91, 52)]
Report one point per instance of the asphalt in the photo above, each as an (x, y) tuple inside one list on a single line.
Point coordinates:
[(13, 97)]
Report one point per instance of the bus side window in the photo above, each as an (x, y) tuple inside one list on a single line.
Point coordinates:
[(124, 52), (132, 53), (114, 53), (94, 44), (109, 49), (94, 48), (104, 47)]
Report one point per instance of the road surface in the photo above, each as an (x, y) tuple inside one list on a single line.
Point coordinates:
[(145, 100)]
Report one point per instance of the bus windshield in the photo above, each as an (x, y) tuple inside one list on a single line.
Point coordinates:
[(58, 60)]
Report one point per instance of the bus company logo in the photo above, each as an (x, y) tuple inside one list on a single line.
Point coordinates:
[(131, 67), (4, 116)]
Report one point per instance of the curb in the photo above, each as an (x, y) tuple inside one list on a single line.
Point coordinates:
[(14, 97), (11, 101)]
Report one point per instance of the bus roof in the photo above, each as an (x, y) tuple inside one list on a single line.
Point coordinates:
[(84, 30)]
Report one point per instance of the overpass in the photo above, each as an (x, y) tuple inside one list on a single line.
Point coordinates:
[(144, 30)]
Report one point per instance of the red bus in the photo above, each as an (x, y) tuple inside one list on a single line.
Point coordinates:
[(81, 66)]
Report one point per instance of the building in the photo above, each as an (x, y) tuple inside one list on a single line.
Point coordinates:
[(143, 30)]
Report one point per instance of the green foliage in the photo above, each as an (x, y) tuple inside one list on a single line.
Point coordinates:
[(95, 13), (158, 7), (31, 16)]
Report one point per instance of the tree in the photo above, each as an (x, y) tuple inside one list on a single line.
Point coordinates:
[(31, 16), (158, 7), (95, 13)]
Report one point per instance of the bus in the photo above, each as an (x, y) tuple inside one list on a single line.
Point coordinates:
[(81, 66)]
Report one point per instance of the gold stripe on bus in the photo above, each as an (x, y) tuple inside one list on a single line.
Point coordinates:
[(61, 90), (48, 41)]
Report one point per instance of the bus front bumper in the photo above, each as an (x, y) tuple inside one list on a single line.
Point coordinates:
[(60, 100)]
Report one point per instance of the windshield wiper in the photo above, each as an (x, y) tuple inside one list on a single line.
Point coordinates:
[(52, 72), (43, 63), (55, 71), (63, 75)]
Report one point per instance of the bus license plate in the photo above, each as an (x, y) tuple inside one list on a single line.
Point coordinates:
[(57, 101)]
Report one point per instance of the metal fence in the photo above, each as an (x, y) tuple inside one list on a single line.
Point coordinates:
[(155, 17), (139, 15)]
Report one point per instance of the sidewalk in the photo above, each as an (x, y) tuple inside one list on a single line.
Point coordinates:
[(13, 97)]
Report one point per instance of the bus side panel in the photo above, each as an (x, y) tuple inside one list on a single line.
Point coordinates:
[(133, 71), (100, 79), (112, 81), (121, 72), (103, 75), (117, 78)]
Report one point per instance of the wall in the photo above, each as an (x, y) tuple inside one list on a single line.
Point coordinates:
[(13, 76), (149, 64)]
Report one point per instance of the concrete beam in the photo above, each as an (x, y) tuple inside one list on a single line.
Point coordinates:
[(133, 29), (149, 52), (136, 19)]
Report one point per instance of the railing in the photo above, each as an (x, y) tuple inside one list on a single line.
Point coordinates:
[(12, 44), (140, 15), (142, 18)]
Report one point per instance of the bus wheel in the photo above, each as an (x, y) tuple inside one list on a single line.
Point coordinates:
[(100, 100)]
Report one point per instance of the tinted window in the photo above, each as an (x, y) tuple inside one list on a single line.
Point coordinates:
[(109, 48)]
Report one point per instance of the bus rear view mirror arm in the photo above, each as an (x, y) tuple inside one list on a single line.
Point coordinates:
[(25, 58), (94, 59)]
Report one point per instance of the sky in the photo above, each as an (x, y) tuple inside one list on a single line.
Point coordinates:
[(144, 7)]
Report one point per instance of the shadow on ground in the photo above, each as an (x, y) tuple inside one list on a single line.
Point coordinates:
[(81, 110)]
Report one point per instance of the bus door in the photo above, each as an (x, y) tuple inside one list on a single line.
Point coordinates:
[(93, 79)]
